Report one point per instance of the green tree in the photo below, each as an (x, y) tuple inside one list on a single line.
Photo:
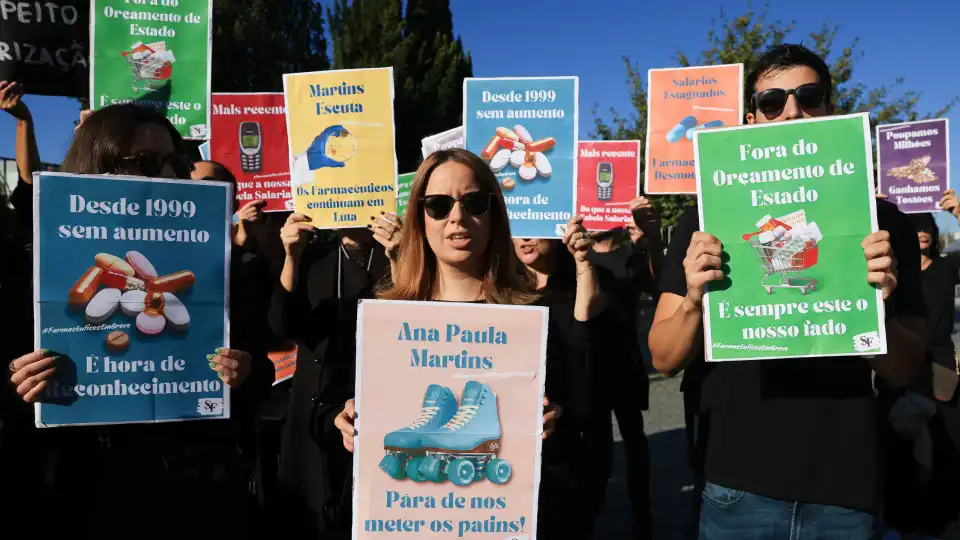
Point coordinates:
[(428, 62), (741, 40), (256, 41)]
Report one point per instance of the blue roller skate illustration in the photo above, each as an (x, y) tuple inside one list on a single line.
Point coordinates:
[(466, 448), (404, 451)]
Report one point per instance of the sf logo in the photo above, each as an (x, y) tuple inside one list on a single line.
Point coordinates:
[(209, 405), (866, 341)]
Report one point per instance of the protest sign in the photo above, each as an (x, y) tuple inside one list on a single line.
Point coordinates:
[(608, 178), (404, 181), (155, 55), (525, 128), (452, 138), (249, 137), (130, 289), (44, 46), (284, 360), (682, 101), (914, 163), (343, 165), (791, 204), (449, 406)]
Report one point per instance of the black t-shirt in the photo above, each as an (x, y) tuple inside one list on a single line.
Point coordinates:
[(795, 429), (938, 281)]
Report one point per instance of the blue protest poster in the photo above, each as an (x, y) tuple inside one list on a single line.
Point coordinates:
[(131, 281), (525, 129)]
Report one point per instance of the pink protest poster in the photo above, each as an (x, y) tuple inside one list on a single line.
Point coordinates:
[(608, 177), (449, 419)]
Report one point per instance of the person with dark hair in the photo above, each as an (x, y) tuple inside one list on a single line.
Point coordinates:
[(631, 259), (112, 481), (247, 217), (572, 465), (790, 446), (322, 279)]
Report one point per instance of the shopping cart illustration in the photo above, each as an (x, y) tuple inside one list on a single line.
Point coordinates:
[(151, 67), (782, 263)]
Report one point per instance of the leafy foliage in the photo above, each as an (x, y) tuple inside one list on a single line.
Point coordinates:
[(742, 40), (429, 63)]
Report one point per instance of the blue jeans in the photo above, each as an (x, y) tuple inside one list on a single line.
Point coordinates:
[(738, 515)]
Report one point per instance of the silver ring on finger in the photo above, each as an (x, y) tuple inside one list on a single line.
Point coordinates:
[(12, 368)]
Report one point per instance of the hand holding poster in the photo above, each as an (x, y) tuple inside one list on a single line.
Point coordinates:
[(45, 46), (791, 204), (682, 101), (449, 413), (608, 178), (452, 138), (249, 137), (343, 164), (154, 54), (131, 280), (526, 130), (914, 163)]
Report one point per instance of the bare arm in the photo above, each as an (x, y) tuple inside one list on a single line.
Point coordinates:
[(294, 237), (675, 335), (589, 301), (28, 155)]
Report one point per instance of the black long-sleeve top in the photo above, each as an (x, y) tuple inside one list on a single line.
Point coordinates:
[(320, 315)]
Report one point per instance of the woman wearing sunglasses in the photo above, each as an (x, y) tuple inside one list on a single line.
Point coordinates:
[(113, 481), (456, 247)]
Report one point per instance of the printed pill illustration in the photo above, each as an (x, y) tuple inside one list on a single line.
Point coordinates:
[(508, 183), (175, 312), (103, 305), (141, 265), (679, 131), (542, 165), (516, 158), (524, 135), (121, 281), (500, 160), (154, 303), (491, 148), (708, 125), (507, 133), (117, 341), (151, 324), (132, 303), (113, 263), (172, 282), (81, 293)]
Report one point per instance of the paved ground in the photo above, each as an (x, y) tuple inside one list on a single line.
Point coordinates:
[(671, 479)]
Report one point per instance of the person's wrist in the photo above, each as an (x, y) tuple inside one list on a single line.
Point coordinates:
[(689, 305)]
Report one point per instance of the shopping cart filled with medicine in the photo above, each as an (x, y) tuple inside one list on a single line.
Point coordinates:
[(151, 68), (783, 260)]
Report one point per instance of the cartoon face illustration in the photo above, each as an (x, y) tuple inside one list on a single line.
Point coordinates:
[(332, 148), (341, 146), (916, 170)]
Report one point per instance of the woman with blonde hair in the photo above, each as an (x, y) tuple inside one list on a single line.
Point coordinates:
[(456, 247)]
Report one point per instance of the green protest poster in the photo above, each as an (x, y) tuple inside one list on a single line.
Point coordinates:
[(791, 204), (155, 53), (404, 181)]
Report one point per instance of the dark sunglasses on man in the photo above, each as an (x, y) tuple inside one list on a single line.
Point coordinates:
[(151, 163), (474, 203), (772, 101)]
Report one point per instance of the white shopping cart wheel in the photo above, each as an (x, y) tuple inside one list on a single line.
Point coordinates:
[(769, 290)]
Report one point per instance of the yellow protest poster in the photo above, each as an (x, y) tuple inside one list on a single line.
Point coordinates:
[(343, 166)]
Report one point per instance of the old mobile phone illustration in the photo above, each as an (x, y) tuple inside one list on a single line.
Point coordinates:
[(604, 181), (251, 147)]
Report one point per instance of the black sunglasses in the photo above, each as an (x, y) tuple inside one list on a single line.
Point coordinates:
[(772, 100), (474, 203), (151, 163)]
